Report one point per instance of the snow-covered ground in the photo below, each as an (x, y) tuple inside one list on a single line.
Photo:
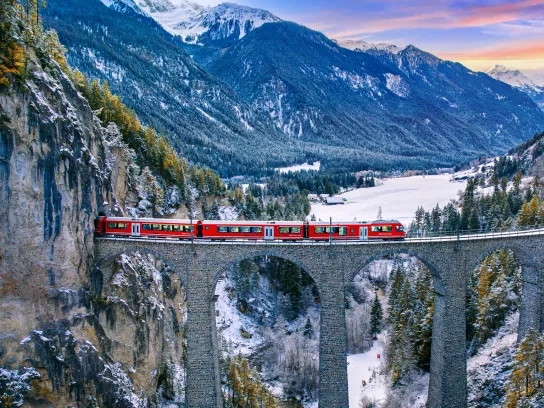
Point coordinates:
[(488, 371), (299, 167), (361, 368), (398, 198), (231, 324)]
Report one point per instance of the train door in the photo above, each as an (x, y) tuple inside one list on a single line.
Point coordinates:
[(363, 233), (135, 229), (269, 233)]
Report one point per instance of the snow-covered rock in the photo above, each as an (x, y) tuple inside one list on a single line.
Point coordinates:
[(360, 45), (519, 80), (197, 24)]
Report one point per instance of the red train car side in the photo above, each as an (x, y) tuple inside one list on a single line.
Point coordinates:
[(363, 231), (257, 230), (267, 230)]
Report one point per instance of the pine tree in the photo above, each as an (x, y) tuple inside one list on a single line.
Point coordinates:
[(423, 317), (308, 329), (376, 315), (526, 377)]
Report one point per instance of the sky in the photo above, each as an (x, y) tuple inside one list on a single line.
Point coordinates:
[(478, 33)]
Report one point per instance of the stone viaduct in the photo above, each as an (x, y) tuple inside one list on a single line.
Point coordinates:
[(332, 267)]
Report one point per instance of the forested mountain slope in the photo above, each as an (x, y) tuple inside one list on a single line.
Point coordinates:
[(153, 74), (520, 81), (289, 94), (410, 103)]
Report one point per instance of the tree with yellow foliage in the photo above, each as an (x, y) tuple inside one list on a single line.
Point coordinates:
[(245, 388), (526, 382), (11, 53)]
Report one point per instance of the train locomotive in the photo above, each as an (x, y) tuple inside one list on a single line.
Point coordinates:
[(248, 230)]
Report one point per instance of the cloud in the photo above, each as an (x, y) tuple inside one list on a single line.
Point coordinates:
[(435, 15), (519, 28), (521, 50)]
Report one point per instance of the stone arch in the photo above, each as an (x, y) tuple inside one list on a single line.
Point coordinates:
[(378, 255), (438, 278), (531, 291), (524, 257), (255, 254), (249, 255)]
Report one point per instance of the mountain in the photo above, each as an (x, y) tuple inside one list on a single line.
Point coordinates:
[(531, 155), (220, 26), (360, 45), (152, 72), (406, 103), (520, 81), (284, 94)]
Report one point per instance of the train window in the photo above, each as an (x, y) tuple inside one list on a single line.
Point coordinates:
[(176, 227), (245, 229), (234, 229), (319, 230), (402, 228), (156, 227), (257, 229), (167, 227), (342, 230), (222, 229), (387, 228), (295, 230), (117, 225), (284, 230), (376, 229), (146, 227)]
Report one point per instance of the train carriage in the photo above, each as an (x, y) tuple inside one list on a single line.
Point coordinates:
[(363, 231), (148, 227), (267, 230)]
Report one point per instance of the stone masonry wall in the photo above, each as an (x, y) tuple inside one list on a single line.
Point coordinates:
[(332, 267)]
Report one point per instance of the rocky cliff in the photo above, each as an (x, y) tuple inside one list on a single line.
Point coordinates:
[(73, 334)]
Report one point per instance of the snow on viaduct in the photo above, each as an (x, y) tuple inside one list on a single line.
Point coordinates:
[(332, 267)]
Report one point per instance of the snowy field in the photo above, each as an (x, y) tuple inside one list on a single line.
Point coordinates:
[(398, 198), (361, 367), (299, 167)]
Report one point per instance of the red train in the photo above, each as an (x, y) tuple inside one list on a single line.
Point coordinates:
[(257, 230)]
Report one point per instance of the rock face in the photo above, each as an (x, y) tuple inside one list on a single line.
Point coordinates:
[(77, 335)]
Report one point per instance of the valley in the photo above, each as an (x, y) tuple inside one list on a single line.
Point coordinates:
[(135, 135)]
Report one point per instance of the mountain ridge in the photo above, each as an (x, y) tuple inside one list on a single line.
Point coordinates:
[(519, 80)]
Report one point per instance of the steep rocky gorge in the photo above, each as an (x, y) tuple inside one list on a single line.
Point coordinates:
[(73, 333)]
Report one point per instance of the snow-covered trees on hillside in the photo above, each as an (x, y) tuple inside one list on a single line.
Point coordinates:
[(526, 385), (243, 387), (410, 309), (292, 359), (494, 293), (270, 312)]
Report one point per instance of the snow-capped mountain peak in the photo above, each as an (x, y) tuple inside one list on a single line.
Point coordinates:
[(225, 21), (513, 77), (360, 45), (198, 24), (519, 80)]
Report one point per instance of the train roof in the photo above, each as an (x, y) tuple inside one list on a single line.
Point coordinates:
[(354, 222), (241, 222), (151, 220), (187, 221)]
